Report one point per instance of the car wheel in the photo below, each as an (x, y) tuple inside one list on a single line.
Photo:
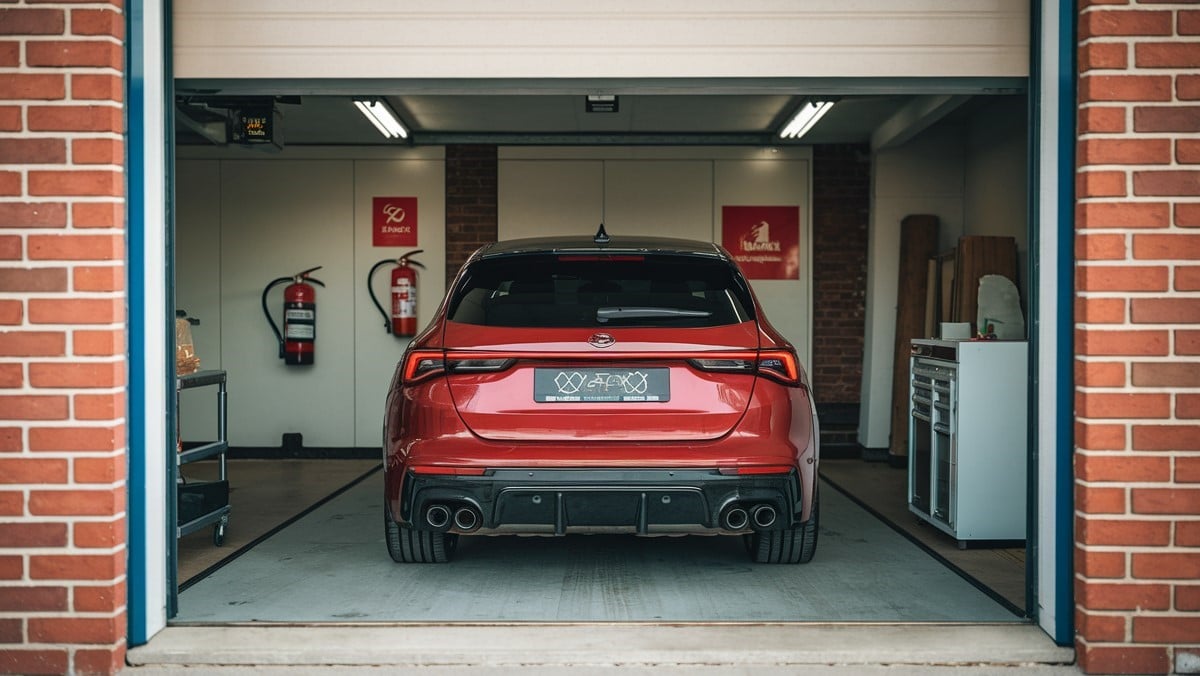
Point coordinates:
[(408, 545), (792, 545)]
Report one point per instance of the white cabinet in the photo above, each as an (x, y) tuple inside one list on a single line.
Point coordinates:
[(967, 443)]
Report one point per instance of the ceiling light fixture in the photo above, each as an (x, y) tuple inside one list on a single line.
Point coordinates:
[(382, 116), (805, 118)]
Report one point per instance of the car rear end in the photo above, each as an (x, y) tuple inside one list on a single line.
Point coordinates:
[(568, 387)]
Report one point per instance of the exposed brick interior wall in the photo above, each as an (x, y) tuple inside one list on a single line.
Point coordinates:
[(62, 313), (841, 210), (471, 172), (1137, 463)]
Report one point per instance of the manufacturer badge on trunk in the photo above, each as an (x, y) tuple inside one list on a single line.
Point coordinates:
[(601, 340)]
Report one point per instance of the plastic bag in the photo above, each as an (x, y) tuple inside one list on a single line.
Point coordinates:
[(186, 359)]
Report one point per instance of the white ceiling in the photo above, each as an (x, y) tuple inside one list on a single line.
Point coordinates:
[(333, 120)]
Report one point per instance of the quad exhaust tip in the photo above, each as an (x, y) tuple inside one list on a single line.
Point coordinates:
[(437, 516), (466, 519), (736, 518), (764, 516)]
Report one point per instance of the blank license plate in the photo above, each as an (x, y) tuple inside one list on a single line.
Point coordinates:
[(588, 385)]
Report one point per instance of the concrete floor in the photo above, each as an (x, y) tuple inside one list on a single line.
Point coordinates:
[(543, 648), (884, 489), (332, 566)]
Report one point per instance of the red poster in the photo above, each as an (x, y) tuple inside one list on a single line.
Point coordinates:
[(394, 221), (765, 241)]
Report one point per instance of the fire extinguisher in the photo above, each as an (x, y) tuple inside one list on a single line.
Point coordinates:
[(297, 343), (403, 321)]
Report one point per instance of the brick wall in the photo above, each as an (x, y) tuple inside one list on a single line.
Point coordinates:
[(471, 217), (1137, 463), (841, 209), (62, 312)]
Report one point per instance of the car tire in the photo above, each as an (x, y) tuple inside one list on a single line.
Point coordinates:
[(791, 545), (408, 545)]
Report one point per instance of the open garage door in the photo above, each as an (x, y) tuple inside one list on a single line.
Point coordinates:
[(684, 142)]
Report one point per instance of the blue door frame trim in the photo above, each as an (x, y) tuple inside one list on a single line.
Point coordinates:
[(1064, 407), (139, 334), (135, 289)]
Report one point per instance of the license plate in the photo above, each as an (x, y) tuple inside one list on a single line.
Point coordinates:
[(592, 385)]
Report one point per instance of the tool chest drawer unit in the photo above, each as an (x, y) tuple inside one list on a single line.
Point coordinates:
[(967, 438)]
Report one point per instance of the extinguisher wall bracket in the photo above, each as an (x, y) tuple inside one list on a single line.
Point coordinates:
[(266, 312), (387, 322), (407, 259)]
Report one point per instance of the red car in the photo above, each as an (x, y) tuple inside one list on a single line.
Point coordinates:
[(623, 385)]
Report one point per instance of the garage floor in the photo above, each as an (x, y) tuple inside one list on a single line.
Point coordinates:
[(331, 566)]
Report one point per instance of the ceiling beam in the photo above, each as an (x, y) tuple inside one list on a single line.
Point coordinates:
[(507, 139), (915, 117)]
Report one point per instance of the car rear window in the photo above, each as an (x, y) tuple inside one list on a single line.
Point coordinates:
[(552, 290)]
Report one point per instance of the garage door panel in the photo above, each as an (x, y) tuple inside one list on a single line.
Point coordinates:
[(626, 39)]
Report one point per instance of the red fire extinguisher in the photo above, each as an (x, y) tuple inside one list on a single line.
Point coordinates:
[(403, 321), (297, 343)]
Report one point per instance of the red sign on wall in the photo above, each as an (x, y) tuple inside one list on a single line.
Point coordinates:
[(765, 241), (394, 221)]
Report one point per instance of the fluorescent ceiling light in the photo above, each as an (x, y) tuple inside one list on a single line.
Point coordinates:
[(806, 118), (382, 116)]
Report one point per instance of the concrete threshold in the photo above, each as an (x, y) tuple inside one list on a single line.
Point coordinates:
[(601, 645)]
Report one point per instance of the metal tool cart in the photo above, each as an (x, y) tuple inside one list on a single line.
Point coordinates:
[(202, 503)]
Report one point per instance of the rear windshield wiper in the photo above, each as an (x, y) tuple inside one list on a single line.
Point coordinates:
[(604, 314)]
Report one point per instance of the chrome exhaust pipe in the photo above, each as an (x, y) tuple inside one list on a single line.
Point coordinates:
[(764, 516), (437, 516), (736, 518), (466, 519)]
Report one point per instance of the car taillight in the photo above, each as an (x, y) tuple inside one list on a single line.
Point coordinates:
[(472, 365), (724, 365), (779, 365), (422, 364)]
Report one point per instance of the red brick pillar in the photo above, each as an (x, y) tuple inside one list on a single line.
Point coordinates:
[(841, 187), (62, 347), (471, 194), (1137, 464)]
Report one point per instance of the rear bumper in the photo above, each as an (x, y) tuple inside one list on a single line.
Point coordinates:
[(561, 501)]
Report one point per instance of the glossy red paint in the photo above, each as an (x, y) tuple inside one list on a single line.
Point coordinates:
[(739, 402)]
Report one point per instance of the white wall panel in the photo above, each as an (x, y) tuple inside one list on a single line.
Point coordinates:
[(375, 351), (617, 39), (198, 282), (538, 198), (663, 198), (787, 303), (924, 176), (242, 222), (668, 192), (280, 217)]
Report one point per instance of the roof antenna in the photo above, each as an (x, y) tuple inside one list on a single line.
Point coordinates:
[(601, 236)]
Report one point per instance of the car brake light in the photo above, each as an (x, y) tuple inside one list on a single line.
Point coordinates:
[(473, 365), (452, 471), (779, 365), (725, 365), (569, 258), (420, 365), (757, 469)]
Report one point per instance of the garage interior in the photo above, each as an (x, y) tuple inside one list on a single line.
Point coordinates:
[(303, 541)]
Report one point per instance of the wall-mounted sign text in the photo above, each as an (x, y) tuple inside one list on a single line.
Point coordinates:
[(765, 241), (394, 221)]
